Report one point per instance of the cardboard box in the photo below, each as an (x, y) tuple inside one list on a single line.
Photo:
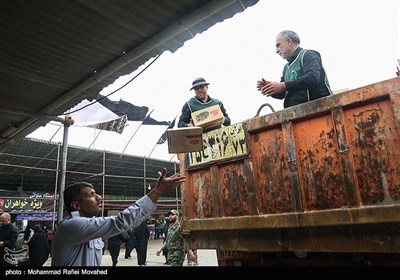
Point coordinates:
[(208, 117), (185, 139)]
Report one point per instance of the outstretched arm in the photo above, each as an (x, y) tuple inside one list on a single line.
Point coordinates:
[(165, 184)]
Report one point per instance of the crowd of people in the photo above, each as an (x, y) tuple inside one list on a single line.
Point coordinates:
[(38, 236)]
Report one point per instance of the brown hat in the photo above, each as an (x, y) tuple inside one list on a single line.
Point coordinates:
[(198, 82)]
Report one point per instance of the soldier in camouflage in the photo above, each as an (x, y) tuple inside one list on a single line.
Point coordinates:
[(175, 243)]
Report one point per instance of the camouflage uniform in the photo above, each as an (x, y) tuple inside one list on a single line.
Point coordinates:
[(175, 245)]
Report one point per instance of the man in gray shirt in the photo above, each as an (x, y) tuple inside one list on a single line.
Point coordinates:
[(78, 239)]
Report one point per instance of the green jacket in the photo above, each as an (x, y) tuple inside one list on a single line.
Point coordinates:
[(175, 245)]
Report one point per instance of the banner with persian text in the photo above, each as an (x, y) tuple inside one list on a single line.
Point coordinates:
[(25, 202)]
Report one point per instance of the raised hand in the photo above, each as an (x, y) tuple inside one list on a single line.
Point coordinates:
[(165, 184)]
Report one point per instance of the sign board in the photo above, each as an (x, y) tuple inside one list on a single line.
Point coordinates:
[(223, 143)]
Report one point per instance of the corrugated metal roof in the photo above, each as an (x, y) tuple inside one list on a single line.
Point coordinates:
[(54, 54), (34, 166)]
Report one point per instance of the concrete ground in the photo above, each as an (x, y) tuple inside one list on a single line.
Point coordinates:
[(205, 257)]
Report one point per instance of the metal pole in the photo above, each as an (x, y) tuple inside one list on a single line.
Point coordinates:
[(144, 176), (95, 140), (153, 149), (134, 134), (56, 187), (68, 121), (176, 190), (104, 182)]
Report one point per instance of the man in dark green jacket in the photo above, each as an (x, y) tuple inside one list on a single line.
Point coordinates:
[(303, 78)]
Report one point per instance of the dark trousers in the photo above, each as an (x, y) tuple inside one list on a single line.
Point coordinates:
[(128, 248), (114, 253), (141, 251)]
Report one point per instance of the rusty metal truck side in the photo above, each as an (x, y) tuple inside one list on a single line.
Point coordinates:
[(314, 183)]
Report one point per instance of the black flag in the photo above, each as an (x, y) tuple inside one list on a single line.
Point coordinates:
[(133, 112), (163, 137), (121, 107), (116, 125), (150, 121)]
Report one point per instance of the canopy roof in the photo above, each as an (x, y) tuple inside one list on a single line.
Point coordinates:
[(34, 166), (54, 54)]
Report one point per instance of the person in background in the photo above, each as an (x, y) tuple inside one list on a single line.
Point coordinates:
[(175, 242), (165, 230), (130, 243), (38, 246), (8, 239), (192, 260), (114, 247), (200, 101), (28, 232), (78, 239), (157, 228), (48, 230), (141, 240), (303, 78)]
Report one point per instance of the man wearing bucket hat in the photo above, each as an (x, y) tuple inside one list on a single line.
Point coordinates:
[(175, 243), (200, 101)]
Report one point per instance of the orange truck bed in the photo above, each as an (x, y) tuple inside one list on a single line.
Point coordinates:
[(323, 176)]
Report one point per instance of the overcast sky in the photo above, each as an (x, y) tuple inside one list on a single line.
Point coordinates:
[(359, 42)]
